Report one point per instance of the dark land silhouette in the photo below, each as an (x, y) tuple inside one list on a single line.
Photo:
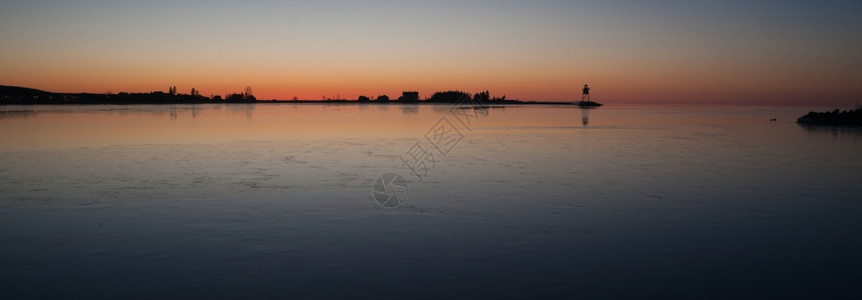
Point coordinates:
[(22, 95), (851, 117)]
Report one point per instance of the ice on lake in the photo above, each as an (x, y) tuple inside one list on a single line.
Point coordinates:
[(274, 200)]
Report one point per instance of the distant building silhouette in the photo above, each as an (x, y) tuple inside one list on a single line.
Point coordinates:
[(409, 96)]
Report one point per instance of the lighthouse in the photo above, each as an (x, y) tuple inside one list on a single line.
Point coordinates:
[(585, 96)]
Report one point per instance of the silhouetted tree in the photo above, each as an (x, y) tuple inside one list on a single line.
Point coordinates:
[(247, 96), (363, 99), (448, 96), (482, 97), (382, 98)]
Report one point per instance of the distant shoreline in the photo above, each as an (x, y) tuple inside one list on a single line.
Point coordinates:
[(11, 95), (422, 102)]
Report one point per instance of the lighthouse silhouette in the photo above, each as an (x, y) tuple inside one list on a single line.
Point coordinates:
[(585, 97)]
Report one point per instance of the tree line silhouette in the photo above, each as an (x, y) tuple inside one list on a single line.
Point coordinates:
[(21, 95), (451, 96)]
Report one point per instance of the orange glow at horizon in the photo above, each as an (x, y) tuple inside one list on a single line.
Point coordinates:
[(639, 54), (647, 84)]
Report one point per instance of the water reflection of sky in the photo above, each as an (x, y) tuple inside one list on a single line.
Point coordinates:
[(264, 200)]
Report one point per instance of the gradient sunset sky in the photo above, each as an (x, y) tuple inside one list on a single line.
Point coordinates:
[(686, 51)]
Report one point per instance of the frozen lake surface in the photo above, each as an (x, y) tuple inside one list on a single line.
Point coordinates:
[(276, 200)]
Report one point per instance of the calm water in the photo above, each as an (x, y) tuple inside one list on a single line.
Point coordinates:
[(276, 201)]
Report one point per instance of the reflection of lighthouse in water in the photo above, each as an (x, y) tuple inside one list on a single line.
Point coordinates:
[(585, 116)]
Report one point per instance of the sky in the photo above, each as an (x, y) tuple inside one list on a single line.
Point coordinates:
[(663, 51)]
